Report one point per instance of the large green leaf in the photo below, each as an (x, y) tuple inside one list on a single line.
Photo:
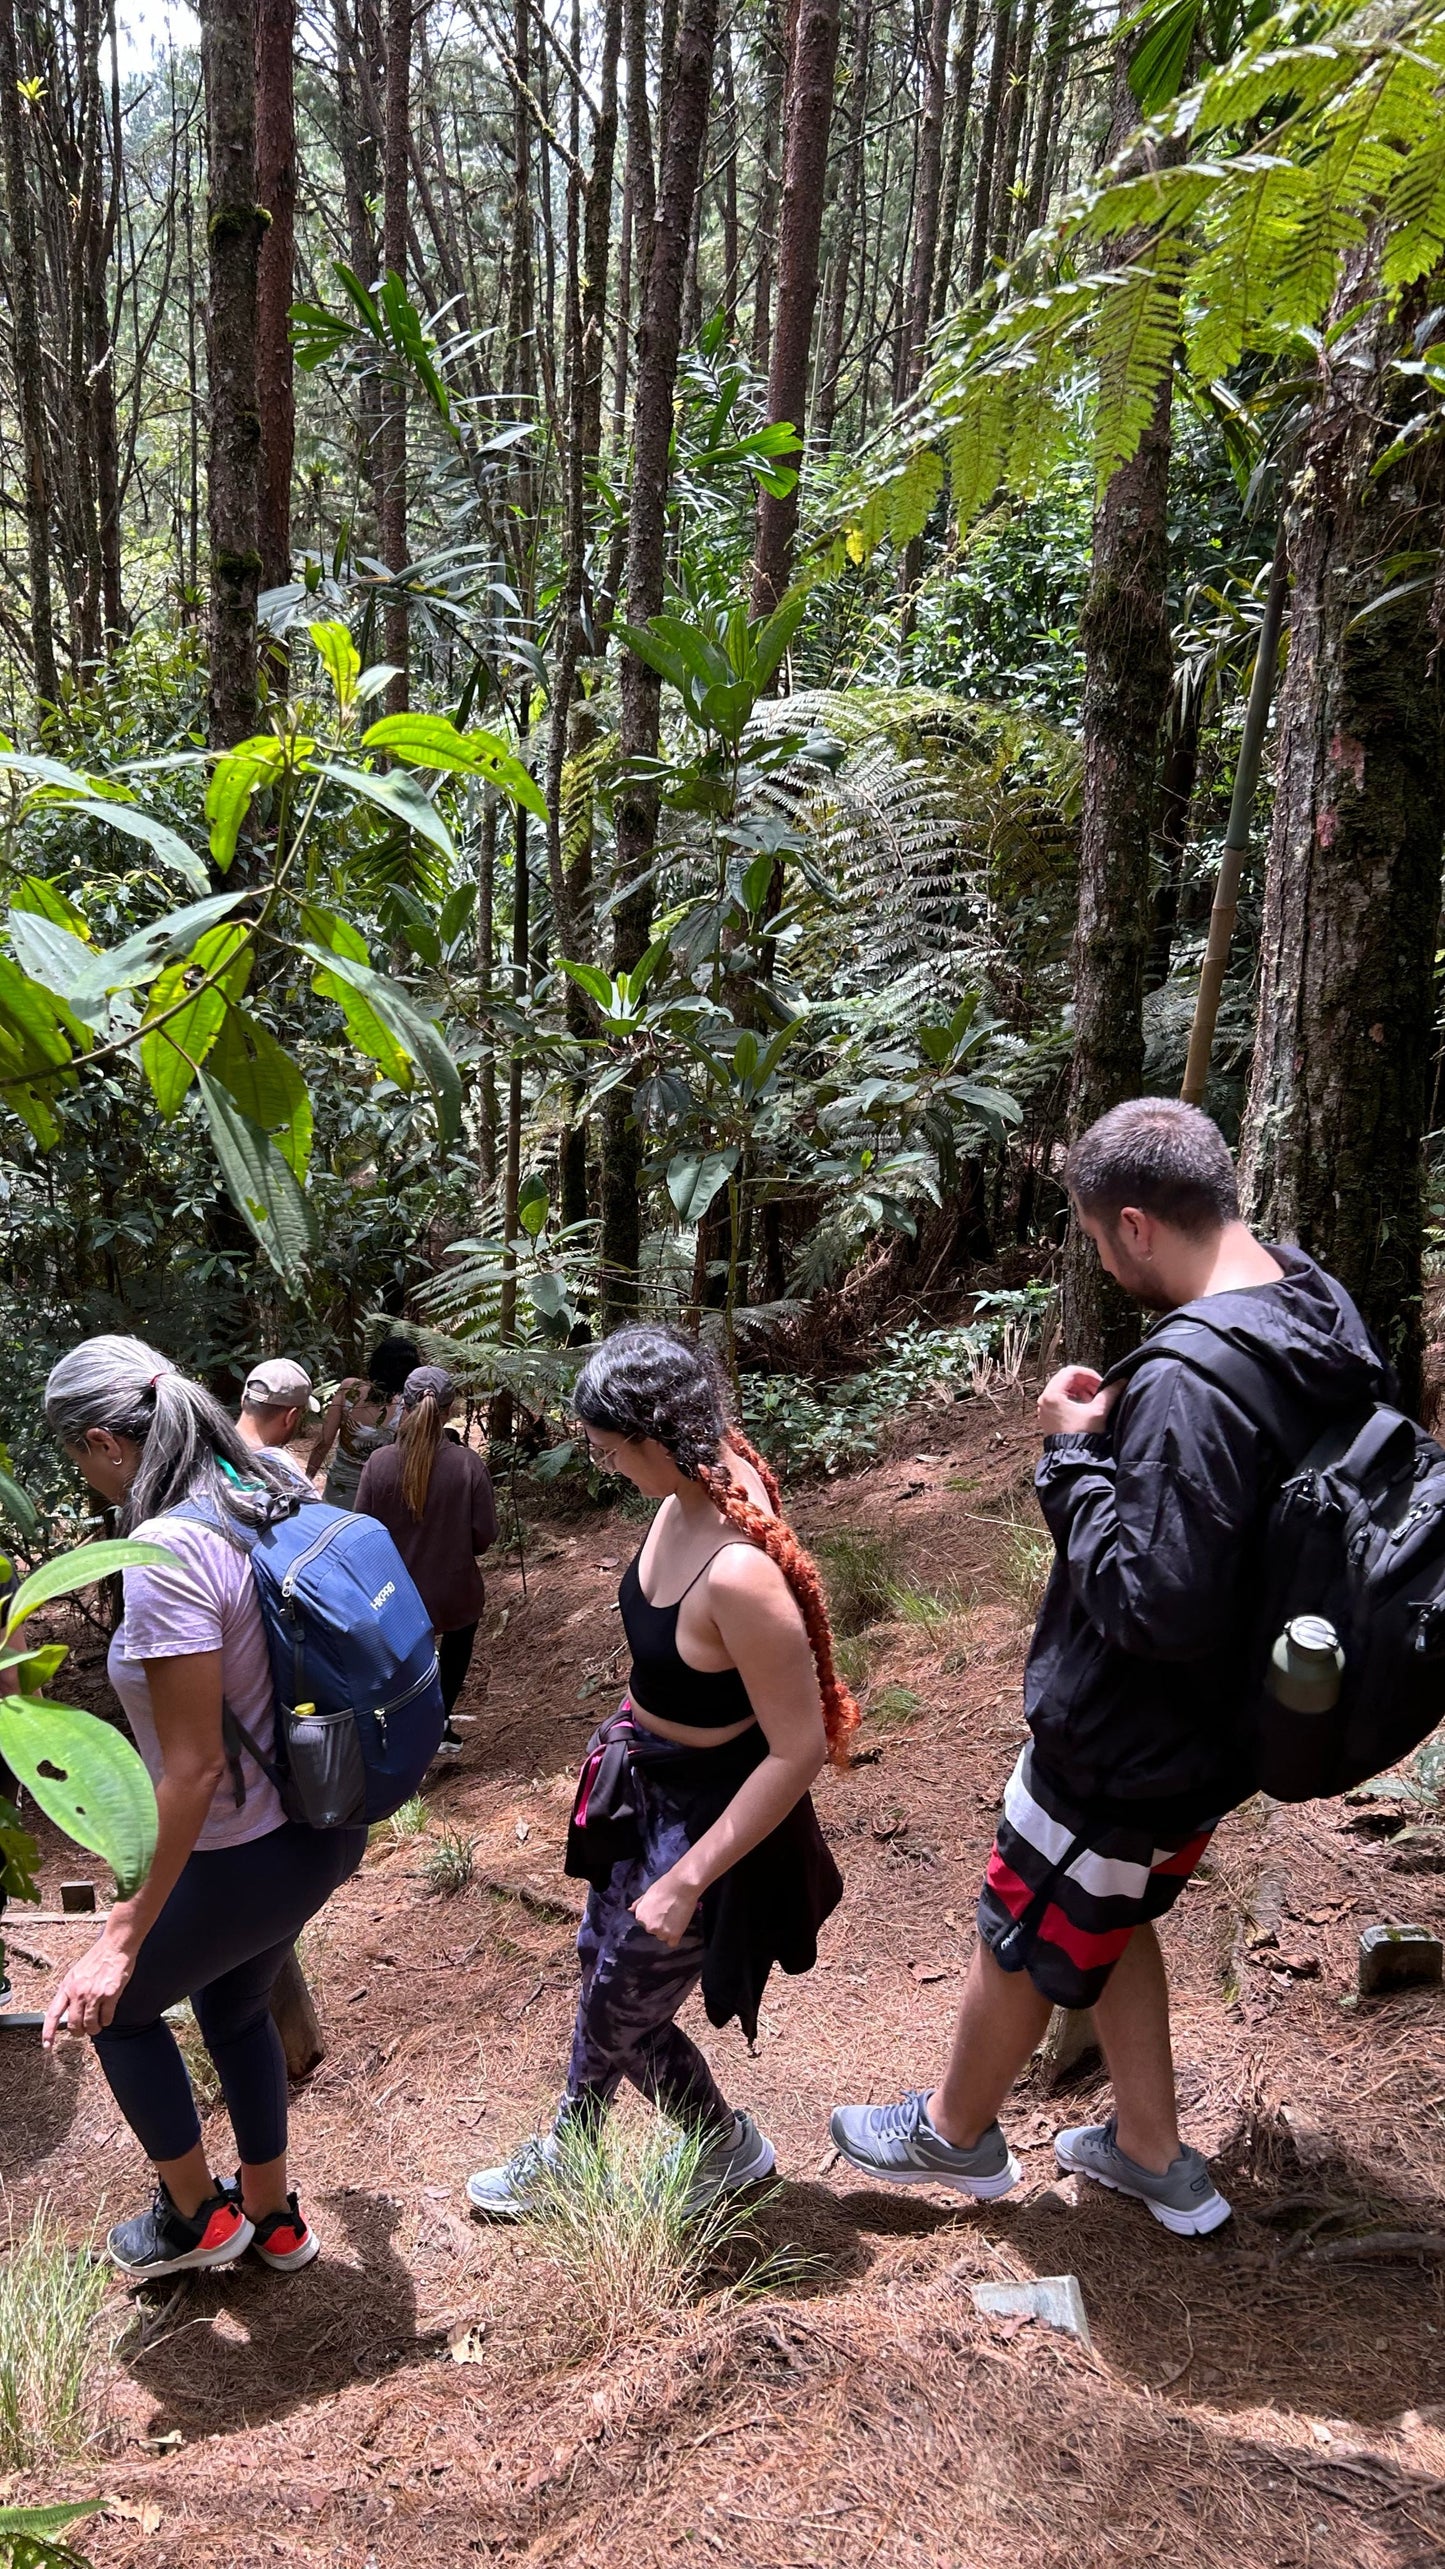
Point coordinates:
[(26, 2535), (171, 1054), (262, 1186), (15, 1504), (339, 658), (244, 772), (79, 1569), (87, 1779), (325, 928), (266, 1085), (430, 740), (29, 1015), (165, 845), (400, 797), (416, 1034), (694, 1178), (62, 963)]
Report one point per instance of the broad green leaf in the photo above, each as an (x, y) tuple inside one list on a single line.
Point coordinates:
[(773, 637), (17, 1506), (79, 1568), (165, 845), (31, 1020), (340, 659), (400, 797), (587, 977), (60, 962), (36, 894), (416, 1034), (87, 1779), (693, 1179), (245, 771), (266, 1085), (456, 910), (532, 1205), (430, 740), (172, 1053), (262, 1187), (328, 928)]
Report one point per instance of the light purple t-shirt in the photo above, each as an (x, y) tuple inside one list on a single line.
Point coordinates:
[(207, 1601)]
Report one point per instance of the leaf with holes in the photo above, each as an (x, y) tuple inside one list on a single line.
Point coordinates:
[(262, 1187), (87, 1779)]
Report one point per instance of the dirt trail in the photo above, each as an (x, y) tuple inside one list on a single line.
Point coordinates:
[(1257, 2397)]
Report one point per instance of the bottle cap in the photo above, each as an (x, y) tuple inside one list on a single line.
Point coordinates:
[(1314, 1635)]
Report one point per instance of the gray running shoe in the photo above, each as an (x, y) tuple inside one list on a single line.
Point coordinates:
[(506, 2193), (899, 2144), (734, 2160), (1185, 2198)]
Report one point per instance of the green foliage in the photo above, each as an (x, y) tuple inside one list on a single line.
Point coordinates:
[(28, 2535), (894, 1707), (83, 1775), (449, 1862), (806, 1429), (858, 1573)]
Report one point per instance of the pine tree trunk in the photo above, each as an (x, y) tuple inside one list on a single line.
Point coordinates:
[(927, 190), (964, 57), (276, 190), (657, 352), (396, 623), (233, 230), (805, 177), (29, 379), (988, 143), (1337, 1100), (844, 227), (1056, 56), (773, 66), (1014, 109)]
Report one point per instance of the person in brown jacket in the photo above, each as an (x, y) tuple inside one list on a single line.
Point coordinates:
[(434, 1497)]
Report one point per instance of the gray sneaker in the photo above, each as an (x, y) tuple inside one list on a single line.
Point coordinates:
[(743, 2157), (506, 2193), (899, 2144), (1185, 2198)]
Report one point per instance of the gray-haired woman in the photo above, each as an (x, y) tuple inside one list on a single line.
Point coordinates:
[(232, 1881)]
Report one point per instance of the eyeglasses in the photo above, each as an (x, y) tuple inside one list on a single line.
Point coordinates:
[(602, 1456)]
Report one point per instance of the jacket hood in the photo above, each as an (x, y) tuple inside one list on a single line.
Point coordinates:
[(1306, 1329)]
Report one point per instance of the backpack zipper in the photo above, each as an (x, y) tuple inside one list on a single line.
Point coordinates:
[(312, 1552), (383, 1712)]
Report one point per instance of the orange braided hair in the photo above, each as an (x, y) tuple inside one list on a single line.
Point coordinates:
[(648, 1381), (775, 1536)]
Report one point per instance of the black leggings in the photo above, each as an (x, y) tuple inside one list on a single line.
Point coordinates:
[(220, 1940), (454, 1658)]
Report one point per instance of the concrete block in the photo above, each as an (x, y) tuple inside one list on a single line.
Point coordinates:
[(1070, 2043), (1399, 1958), (1054, 2299)]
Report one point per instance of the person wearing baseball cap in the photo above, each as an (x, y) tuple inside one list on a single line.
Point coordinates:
[(275, 1399)]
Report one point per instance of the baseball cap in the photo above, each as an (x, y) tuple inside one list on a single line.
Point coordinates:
[(278, 1384)]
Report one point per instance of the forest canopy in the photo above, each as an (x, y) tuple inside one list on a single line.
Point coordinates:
[(636, 643)]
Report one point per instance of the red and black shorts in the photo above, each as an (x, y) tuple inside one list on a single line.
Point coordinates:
[(1065, 1889)]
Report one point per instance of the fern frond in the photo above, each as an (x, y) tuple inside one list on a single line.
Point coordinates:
[(1415, 213), (1134, 349)]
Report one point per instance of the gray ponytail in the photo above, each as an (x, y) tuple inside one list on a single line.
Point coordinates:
[(183, 1433)]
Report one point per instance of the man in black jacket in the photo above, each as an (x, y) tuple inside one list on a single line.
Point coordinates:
[(1136, 1692)]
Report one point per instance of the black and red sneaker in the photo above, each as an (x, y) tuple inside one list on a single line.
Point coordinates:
[(282, 2240), (165, 2241)]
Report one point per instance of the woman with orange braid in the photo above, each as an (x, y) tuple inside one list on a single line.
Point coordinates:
[(693, 1820)]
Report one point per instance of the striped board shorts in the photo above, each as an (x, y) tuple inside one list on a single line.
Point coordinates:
[(1065, 1888)]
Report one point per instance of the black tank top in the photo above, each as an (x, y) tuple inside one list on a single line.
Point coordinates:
[(660, 1678)]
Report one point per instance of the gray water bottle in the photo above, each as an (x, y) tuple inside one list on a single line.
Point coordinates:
[(1306, 1666)]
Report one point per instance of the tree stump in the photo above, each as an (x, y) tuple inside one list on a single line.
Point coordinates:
[(294, 2014), (1068, 2044)]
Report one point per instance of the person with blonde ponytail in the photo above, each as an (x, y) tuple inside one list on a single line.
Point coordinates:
[(434, 1497), (693, 1821)]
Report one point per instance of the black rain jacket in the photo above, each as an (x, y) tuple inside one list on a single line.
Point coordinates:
[(1136, 1686)]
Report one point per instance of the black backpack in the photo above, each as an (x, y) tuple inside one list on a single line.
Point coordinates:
[(1354, 1532)]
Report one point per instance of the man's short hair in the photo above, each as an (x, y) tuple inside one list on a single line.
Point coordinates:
[(1154, 1152)]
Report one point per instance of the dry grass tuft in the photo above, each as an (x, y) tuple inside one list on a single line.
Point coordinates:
[(50, 2297)]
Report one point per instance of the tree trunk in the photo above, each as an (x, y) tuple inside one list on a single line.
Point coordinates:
[(657, 351), (965, 55), (1056, 56), (805, 175), (293, 2012), (276, 190), (927, 187), (29, 376), (233, 231), (1014, 107), (773, 63), (844, 228), (1332, 1139), (396, 623), (988, 143)]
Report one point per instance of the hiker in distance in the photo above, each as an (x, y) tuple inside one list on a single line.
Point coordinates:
[(232, 1881), (1136, 1692), (693, 1820), (276, 1398)]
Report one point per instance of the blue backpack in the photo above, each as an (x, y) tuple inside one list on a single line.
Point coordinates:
[(359, 1710)]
